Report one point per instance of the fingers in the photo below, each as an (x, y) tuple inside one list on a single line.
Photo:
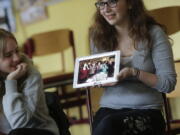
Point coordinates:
[(120, 76), (24, 67), (109, 84), (19, 72), (124, 73), (19, 68)]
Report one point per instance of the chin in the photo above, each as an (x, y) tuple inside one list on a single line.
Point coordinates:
[(112, 22)]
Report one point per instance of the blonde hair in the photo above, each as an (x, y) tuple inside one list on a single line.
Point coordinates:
[(4, 35)]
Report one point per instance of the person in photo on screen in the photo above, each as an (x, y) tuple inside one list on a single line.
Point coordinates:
[(92, 69), (132, 106), (110, 65), (83, 72), (23, 110), (104, 67)]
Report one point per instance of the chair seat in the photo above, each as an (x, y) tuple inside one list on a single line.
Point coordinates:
[(175, 126), (174, 129)]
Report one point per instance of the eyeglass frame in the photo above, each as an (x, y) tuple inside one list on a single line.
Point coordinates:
[(106, 3)]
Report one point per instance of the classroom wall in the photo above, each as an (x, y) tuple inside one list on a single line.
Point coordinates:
[(77, 15), (72, 14)]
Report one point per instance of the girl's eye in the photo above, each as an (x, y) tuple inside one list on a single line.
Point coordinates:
[(7, 55)]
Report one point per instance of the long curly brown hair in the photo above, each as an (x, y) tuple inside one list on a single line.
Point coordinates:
[(104, 35)]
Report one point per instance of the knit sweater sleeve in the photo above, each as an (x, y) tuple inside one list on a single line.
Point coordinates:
[(163, 61), (19, 107)]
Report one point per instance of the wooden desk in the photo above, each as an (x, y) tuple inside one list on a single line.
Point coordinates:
[(57, 80), (74, 98)]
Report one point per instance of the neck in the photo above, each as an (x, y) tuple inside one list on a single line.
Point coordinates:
[(123, 28)]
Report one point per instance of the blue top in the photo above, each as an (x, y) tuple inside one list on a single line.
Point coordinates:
[(132, 93)]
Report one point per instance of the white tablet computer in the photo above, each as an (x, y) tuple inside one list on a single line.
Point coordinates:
[(96, 69)]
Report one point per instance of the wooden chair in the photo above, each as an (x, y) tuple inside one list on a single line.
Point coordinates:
[(173, 25), (93, 97), (58, 42), (173, 124), (44, 45)]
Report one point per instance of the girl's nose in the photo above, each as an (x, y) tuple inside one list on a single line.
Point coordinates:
[(16, 57), (106, 8)]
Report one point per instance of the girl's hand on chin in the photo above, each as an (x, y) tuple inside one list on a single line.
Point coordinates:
[(18, 73)]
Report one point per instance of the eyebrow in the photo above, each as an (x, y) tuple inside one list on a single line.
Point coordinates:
[(12, 50)]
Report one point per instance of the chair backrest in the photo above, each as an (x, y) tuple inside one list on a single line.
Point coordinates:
[(55, 48), (53, 42), (173, 22)]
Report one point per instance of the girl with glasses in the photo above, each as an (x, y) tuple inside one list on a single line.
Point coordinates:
[(132, 106), (23, 110)]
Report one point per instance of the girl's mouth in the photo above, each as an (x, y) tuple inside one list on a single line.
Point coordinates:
[(110, 17)]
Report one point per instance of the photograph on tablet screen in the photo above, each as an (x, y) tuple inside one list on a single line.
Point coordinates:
[(96, 69)]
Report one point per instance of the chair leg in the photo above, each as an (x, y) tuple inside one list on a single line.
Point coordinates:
[(89, 108)]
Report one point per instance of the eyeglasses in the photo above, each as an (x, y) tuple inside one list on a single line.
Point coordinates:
[(101, 5)]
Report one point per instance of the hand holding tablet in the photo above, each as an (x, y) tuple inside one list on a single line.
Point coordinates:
[(95, 70)]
